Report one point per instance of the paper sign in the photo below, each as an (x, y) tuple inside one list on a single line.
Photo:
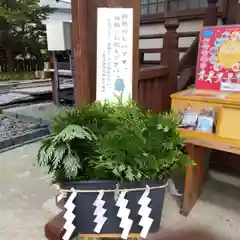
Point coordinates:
[(205, 124), (189, 118), (114, 53), (218, 66)]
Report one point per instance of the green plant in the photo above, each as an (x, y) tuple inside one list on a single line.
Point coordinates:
[(23, 31), (6, 76), (112, 142)]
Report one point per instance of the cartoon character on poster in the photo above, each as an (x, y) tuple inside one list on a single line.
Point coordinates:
[(222, 62)]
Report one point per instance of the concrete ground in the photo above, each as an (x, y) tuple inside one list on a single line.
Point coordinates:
[(45, 110), (23, 191), (27, 201)]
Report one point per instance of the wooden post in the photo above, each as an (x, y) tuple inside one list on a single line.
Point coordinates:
[(195, 177), (238, 13), (141, 58), (56, 88), (170, 58), (80, 34), (232, 10), (52, 79), (84, 28), (190, 57), (151, 88), (211, 18)]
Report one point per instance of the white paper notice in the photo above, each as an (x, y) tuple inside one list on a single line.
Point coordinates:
[(114, 53)]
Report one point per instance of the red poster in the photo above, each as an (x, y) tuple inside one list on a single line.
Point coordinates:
[(218, 66)]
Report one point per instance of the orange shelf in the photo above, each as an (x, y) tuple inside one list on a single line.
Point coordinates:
[(227, 108), (209, 140)]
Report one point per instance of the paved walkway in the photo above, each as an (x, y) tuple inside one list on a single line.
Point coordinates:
[(23, 192), (27, 201)]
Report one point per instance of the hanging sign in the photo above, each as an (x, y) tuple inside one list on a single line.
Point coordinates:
[(218, 66), (114, 53)]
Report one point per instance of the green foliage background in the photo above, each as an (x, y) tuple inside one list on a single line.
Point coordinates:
[(112, 142), (21, 28)]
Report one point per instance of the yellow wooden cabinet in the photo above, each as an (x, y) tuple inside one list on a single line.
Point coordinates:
[(227, 108)]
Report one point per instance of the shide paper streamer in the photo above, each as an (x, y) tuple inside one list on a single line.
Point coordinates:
[(69, 216), (124, 213), (99, 212), (144, 211)]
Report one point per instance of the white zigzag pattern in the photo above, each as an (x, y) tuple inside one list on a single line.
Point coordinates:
[(124, 213), (145, 211), (99, 212), (69, 216)]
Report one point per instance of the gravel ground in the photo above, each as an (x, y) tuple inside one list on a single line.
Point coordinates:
[(11, 127)]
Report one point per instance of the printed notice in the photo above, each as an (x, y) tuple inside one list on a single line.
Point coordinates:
[(114, 53)]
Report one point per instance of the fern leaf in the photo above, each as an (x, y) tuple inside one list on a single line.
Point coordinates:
[(73, 131), (71, 165), (129, 174), (59, 155), (42, 157), (45, 153)]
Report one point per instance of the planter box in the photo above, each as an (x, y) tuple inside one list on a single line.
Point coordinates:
[(84, 210)]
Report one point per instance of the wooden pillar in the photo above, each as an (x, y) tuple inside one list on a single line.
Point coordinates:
[(211, 18), (84, 28), (141, 58), (195, 177), (232, 9), (80, 34), (238, 13), (52, 79), (151, 88), (170, 58)]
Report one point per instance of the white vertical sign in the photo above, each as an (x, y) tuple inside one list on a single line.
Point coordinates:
[(114, 53)]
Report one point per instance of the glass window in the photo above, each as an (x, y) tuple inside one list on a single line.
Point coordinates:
[(149, 7), (152, 6)]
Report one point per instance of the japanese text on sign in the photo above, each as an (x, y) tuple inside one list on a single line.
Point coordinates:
[(114, 53)]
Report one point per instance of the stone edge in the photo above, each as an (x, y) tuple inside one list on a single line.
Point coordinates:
[(27, 138)]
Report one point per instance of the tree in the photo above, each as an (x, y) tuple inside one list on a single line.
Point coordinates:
[(21, 28)]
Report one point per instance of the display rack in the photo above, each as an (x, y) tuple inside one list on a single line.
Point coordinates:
[(226, 137)]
